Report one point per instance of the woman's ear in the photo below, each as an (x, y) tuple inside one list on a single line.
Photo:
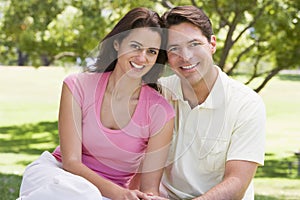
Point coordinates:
[(116, 45)]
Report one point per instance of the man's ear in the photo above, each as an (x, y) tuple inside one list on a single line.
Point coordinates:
[(213, 44), (116, 45)]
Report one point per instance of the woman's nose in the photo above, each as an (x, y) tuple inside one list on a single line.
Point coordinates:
[(142, 55)]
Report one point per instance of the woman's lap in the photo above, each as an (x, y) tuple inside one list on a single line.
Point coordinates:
[(45, 179)]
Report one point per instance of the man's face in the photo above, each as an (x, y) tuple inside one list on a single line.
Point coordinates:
[(189, 52)]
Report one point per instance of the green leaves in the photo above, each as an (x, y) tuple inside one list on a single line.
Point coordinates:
[(254, 36)]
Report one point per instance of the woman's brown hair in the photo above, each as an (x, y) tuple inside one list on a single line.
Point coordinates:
[(136, 18)]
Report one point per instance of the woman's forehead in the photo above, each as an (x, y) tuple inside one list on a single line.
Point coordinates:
[(148, 37)]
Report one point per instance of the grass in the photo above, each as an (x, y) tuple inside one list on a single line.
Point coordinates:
[(28, 125), (30, 95), (9, 186), (28, 120), (21, 144), (278, 178), (277, 189)]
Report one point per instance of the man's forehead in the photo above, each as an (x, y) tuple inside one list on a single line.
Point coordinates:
[(176, 38), (178, 33)]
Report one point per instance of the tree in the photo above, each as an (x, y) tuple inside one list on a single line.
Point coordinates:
[(24, 24), (251, 34), (258, 38), (283, 28), (49, 32)]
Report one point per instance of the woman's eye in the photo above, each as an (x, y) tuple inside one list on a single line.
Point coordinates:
[(153, 51), (135, 46)]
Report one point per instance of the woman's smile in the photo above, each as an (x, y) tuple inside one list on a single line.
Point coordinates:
[(136, 66)]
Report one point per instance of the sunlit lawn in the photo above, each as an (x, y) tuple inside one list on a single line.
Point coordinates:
[(30, 95), (29, 101), (278, 178)]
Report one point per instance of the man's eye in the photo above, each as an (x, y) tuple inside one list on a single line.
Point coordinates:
[(173, 49), (193, 44)]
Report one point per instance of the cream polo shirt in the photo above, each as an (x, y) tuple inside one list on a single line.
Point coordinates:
[(229, 125)]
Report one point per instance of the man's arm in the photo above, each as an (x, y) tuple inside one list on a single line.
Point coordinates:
[(237, 177)]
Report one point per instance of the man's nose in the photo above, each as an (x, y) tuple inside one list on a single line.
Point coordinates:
[(186, 53)]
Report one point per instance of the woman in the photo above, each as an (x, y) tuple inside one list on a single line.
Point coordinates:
[(113, 124)]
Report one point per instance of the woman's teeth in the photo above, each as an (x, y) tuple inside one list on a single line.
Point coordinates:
[(136, 65)]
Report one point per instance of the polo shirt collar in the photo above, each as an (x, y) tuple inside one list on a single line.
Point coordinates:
[(216, 97)]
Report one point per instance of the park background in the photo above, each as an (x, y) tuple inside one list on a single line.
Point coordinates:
[(43, 41)]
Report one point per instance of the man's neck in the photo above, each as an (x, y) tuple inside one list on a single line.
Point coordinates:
[(197, 93)]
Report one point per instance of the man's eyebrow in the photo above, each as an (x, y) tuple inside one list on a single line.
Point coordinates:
[(172, 45), (175, 45), (194, 40)]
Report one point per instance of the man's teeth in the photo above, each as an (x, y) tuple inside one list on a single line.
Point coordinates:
[(137, 66), (189, 66)]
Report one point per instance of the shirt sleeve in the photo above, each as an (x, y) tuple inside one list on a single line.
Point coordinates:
[(73, 83), (248, 138)]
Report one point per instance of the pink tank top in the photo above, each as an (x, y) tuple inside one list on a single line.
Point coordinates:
[(115, 154)]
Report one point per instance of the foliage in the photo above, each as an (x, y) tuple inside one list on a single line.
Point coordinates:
[(241, 24), (42, 32), (256, 37)]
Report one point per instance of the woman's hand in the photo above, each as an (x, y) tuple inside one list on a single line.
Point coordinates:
[(127, 194), (154, 197)]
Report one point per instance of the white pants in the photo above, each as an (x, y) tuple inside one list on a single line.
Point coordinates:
[(45, 179)]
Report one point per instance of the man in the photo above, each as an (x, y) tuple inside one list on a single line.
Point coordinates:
[(219, 133)]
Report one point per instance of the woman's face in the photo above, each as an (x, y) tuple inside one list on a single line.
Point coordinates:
[(138, 51)]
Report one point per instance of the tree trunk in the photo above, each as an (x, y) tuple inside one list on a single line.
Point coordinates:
[(22, 58), (268, 78), (45, 60)]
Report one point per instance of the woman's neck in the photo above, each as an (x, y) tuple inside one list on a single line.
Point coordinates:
[(121, 86)]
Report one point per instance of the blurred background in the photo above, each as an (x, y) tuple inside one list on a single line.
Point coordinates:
[(41, 41)]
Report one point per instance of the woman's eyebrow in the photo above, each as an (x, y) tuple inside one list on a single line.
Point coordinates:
[(154, 48), (136, 42)]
